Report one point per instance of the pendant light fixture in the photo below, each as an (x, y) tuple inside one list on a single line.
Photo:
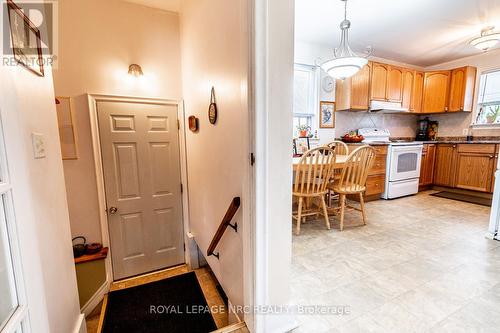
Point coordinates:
[(487, 40), (345, 63)]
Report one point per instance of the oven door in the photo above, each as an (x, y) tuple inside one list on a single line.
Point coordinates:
[(405, 162)]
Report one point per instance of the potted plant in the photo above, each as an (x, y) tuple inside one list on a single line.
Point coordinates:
[(303, 130), (493, 113)]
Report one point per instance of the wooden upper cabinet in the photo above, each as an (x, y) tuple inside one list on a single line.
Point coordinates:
[(435, 96), (444, 170), (407, 92), (462, 85), (360, 89), (394, 84), (353, 93), (380, 73), (417, 93)]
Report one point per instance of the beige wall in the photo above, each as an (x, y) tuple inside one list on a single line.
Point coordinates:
[(214, 52), (98, 40), (27, 106), (453, 124)]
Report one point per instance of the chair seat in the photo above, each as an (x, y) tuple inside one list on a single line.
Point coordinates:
[(349, 189)]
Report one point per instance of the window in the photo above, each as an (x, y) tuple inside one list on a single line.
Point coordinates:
[(304, 96), (13, 309), (489, 99)]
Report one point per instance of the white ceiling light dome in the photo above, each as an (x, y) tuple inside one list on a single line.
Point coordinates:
[(345, 63), (487, 40)]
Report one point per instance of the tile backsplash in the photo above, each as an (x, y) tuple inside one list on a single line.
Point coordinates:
[(400, 125)]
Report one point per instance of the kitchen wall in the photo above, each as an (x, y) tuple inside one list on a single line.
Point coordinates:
[(27, 106), (398, 125), (214, 38), (98, 40), (454, 124)]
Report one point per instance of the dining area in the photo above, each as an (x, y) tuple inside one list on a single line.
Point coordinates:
[(324, 177)]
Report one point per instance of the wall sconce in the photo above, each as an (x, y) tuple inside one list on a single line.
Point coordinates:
[(135, 70)]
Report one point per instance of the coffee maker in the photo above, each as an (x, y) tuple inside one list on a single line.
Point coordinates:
[(422, 131)]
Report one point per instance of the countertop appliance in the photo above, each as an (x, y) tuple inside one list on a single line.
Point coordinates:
[(403, 162), (423, 129)]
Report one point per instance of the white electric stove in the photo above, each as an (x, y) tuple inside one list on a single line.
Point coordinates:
[(403, 162)]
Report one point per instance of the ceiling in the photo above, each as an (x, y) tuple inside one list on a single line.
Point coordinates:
[(417, 32), (171, 5)]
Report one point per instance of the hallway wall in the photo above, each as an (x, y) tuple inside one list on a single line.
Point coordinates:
[(214, 38), (98, 40), (27, 106)]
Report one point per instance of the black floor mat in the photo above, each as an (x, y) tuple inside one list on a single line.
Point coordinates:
[(172, 305), (463, 197)]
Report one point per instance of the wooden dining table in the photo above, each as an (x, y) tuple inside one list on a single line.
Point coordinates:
[(339, 161)]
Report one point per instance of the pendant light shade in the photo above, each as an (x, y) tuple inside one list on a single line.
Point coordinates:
[(487, 40), (345, 63)]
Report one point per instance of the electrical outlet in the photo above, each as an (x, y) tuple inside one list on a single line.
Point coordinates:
[(465, 131)]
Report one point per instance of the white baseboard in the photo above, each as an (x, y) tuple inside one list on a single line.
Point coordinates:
[(95, 299), (81, 325)]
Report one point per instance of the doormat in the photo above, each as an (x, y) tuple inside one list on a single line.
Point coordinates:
[(172, 305), (464, 198)]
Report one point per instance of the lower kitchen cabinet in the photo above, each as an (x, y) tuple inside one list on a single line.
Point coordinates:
[(427, 165), (444, 170), (475, 166), (375, 183)]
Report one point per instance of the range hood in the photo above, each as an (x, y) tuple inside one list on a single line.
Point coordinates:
[(387, 107)]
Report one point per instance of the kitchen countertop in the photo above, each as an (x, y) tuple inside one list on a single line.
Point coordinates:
[(453, 140)]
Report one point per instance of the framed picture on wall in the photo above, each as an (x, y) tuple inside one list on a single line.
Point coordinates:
[(326, 114), (26, 40), (300, 146), (67, 131)]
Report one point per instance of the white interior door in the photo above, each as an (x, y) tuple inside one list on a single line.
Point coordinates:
[(140, 155)]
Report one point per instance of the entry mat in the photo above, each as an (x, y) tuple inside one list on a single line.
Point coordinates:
[(172, 305), (463, 197)]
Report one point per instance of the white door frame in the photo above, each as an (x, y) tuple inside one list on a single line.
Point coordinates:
[(191, 257)]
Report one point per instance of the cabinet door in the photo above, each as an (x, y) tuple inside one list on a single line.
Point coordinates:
[(435, 98), (408, 79), (360, 89), (379, 81), (474, 171), (394, 84), (462, 83), (418, 89), (427, 167), (444, 170)]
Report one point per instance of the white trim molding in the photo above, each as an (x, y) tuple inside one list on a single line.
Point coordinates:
[(94, 301), (101, 194)]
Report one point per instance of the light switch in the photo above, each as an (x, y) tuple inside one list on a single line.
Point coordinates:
[(38, 145)]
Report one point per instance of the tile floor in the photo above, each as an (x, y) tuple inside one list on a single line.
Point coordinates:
[(422, 264)]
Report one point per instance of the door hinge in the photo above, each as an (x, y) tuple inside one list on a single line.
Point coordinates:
[(178, 124), (252, 159), (182, 188)]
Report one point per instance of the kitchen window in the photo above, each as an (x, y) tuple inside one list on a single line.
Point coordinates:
[(13, 307), (304, 97), (489, 99)]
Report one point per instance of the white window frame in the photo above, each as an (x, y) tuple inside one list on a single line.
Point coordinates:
[(313, 100), (19, 319), (477, 114)]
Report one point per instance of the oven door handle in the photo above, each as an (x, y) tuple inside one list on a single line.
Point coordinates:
[(411, 149)]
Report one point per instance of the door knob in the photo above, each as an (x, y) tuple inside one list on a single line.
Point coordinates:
[(113, 210)]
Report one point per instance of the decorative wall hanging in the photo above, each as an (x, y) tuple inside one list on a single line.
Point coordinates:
[(193, 123), (212, 109), (26, 40), (326, 114), (67, 131)]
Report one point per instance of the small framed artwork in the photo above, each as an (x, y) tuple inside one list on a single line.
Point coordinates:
[(67, 130), (300, 146), (26, 40), (326, 114)]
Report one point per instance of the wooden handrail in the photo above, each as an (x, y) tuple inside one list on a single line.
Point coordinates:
[(226, 221)]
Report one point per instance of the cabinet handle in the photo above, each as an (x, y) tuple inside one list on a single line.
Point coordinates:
[(491, 156), (446, 108)]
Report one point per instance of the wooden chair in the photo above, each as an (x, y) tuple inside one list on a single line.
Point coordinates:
[(312, 177), (340, 147), (353, 179)]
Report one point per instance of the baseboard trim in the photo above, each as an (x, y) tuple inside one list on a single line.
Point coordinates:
[(81, 326), (94, 301)]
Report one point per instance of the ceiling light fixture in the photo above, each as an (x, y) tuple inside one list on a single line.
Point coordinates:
[(345, 63), (135, 70), (487, 40)]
